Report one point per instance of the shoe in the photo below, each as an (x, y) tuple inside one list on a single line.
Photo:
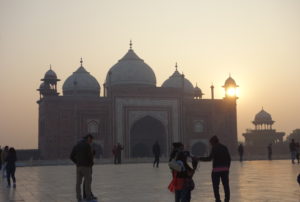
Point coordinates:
[(92, 199), (14, 186), (8, 186)]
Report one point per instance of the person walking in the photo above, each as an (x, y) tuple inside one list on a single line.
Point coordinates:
[(119, 149), (293, 150), (3, 157), (270, 151), (221, 163), (114, 151), (156, 153), (241, 151), (10, 160), (82, 156)]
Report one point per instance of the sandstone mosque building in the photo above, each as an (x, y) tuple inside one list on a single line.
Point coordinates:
[(133, 111)]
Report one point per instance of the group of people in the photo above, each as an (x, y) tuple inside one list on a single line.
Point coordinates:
[(182, 173), (182, 182), (8, 158)]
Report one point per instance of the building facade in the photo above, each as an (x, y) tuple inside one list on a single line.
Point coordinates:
[(133, 111)]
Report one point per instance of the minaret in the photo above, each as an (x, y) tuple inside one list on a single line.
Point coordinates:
[(212, 91), (230, 88), (49, 85)]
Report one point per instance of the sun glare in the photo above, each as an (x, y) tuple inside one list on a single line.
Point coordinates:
[(231, 92)]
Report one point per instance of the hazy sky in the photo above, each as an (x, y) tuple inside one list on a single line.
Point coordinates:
[(257, 41)]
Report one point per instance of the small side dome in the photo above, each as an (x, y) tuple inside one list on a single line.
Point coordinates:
[(177, 80), (81, 82), (131, 70), (230, 82), (50, 77), (263, 117), (198, 91), (50, 74)]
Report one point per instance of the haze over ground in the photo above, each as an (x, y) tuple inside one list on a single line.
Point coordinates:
[(256, 41)]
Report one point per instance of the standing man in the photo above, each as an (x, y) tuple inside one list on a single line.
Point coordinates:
[(241, 151), (82, 156), (156, 153), (221, 163), (114, 151), (119, 153), (270, 151), (293, 150)]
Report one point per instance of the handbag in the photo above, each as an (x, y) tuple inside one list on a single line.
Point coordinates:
[(174, 165), (171, 186)]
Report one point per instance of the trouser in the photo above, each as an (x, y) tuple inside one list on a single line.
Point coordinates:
[(293, 156), (10, 173), (86, 174), (156, 161), (4, 169), (241, 157), (84, 194), (115, 159), (224, 176), (119, 159), (183, 195)]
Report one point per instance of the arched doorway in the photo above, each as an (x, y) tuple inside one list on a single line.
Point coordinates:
[(143, 134), (199, 149), (98, 150)]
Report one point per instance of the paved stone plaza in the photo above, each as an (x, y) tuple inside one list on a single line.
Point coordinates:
[(251, 181)]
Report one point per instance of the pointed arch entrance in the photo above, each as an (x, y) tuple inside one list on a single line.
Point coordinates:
[(143, 134)]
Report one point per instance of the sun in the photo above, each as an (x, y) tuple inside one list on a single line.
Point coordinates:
[(231, 92)]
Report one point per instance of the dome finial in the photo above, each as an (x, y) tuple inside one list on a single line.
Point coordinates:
[(81, 61), (50, 67), (130, 44), (176, 66)]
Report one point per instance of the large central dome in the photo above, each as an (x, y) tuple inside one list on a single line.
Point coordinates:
[(131, 70)]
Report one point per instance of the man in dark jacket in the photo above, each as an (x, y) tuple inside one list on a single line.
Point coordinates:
[(221, 163), (156, 153), (82, 156), (241, 151)]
